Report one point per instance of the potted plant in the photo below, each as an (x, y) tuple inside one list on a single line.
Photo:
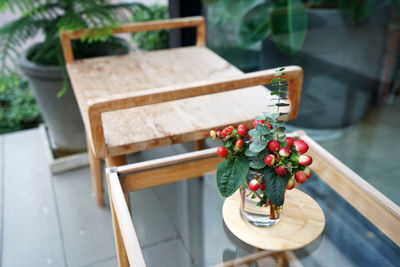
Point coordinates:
[(263, 162), (339, 44), (43, 63)]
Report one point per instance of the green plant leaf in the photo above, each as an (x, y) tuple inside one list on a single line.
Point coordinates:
[(230, 175), (250, 154), (289, 25), (262, 129), (275, 186), (358, 11), (257, 165), (253, 132), (257, 145), (237, 8), (254, 26)]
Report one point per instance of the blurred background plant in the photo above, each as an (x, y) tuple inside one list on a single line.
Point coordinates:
[(18, 106), (153, 40)]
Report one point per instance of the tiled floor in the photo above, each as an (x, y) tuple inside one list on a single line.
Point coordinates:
[(52, 220)]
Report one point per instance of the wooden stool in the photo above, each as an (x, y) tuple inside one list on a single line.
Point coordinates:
[(302, 221), (139, 101)]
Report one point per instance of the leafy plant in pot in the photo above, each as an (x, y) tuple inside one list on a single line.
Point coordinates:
[(339, 44), (43, 62), (263, 162)]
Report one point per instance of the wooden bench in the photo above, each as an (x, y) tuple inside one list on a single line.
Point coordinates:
[(144, 100)]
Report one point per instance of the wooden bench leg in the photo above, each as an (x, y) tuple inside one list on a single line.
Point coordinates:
[(199, 145), (97, 176), (118, 161)]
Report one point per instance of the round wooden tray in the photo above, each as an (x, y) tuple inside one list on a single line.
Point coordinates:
[(301, 222)]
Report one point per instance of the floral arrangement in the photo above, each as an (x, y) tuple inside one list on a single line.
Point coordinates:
[(275, 161)]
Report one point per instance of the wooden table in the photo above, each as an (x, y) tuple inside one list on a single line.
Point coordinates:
[(144, 100), (365, 206)]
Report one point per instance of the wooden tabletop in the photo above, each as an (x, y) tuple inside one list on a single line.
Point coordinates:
[(150, 126), (301, 222)]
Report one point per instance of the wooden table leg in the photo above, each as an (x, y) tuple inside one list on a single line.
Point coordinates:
[(119, 161), (97, 175)]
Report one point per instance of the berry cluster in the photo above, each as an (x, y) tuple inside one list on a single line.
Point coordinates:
[(286, 157), (233, 140)]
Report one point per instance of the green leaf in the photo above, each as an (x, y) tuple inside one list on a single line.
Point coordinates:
[(250, 154), (253, 132), (210, 2), (275, 80), (254, 26), (358, 11), (257, 145), (289, 25), (275, 186), (262, 129), (260, 118), (237, 8), (257, 165), (230, 175), (228, 144)]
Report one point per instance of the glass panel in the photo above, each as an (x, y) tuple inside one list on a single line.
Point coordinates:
[(194, 209), (350, 99)]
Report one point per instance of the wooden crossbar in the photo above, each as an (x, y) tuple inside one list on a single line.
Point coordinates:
[(196, 21)]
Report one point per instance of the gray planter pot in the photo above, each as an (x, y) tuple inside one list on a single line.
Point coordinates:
[(341, 65), (60, 114)]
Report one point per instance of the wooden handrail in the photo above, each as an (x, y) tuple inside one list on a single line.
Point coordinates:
[(196, 21), (123, 226), (294, 74)]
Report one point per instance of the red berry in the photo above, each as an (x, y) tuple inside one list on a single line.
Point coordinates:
[(239, 143), (289, 141), (254, 185), (273, 145), (284, 152), (242, 130), (301, 146), (222, 151), (305, 160), (290, 184), (269, 125), (228, 130), (251, 137), (263, 186), (269, 160), (218, 133), (223, 133), (280, 170), (255, 122), (307, 172), (300, 177)]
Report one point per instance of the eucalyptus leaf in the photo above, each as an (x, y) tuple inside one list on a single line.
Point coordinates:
[(257, 145), (257, 165), (253, 132), (230, 175), (289, 25), (249, 153), (254, 26), (262, 129)]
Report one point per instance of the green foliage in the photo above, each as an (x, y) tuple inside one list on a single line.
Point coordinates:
[(18, 109), (50, 17), (152, 40), (231, 174), (286, 20), (275, 186)]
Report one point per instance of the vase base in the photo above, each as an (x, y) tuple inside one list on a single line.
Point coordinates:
[(259, 220)]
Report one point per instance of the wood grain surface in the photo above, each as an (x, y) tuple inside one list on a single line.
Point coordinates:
[(301, 222)]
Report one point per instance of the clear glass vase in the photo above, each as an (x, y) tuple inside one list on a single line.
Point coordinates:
[(255, 208)]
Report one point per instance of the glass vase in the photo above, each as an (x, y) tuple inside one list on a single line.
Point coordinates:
[(255, 208)]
